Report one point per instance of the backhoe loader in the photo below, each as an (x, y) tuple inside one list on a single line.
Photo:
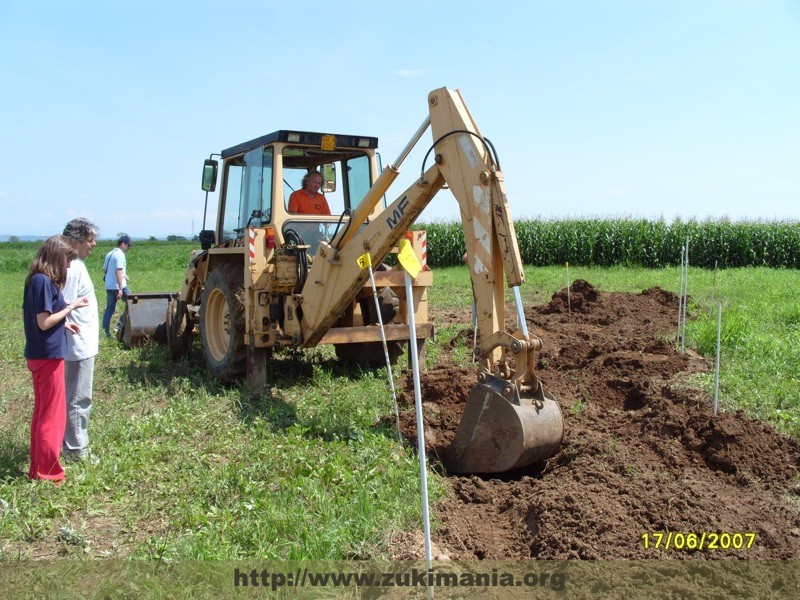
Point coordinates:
[(267, 279)]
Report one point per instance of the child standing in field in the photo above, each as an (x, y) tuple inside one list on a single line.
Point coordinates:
[(44, 312)]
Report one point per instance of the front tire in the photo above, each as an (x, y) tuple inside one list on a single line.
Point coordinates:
[(222, 322)]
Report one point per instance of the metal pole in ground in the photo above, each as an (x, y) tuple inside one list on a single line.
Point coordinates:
[(474, 311), (685, 297), (366, 260), (420, 422), (716, 362), (680, 299), (714, 282), (411, 267), (569, 300), (474, 329)]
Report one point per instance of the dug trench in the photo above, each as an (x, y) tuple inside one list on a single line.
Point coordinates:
[(642, 452)]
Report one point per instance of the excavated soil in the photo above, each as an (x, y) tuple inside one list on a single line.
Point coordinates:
[(642, 451)]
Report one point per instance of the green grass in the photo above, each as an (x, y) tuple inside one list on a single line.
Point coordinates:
[(312, 469), (192, 469), (760, 341)]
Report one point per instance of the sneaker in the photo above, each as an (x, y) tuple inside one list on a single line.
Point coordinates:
[(74, 456), (70, 456)]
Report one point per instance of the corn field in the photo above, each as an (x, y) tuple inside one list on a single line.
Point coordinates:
[(629, 242)]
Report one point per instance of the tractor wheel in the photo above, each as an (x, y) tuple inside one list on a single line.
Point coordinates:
[(222, 322), (179, 329)]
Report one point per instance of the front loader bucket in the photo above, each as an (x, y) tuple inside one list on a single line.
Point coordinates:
[(496, 434), (145, 317)]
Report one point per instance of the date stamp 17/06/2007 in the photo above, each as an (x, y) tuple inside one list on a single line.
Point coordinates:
[(702, 541)]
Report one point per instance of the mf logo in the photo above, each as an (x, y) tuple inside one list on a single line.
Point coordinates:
[(398, 212)]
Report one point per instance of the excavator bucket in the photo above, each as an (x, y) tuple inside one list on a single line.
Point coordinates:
[(501, 430), (144, 318)]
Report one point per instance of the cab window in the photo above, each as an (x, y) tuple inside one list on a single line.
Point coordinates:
[(352, 168), (248, 193), (356, 178), (233, 185)]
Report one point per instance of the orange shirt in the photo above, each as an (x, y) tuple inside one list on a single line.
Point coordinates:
[(300, 202)]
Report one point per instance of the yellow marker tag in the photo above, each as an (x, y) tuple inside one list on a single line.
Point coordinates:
[(408, 259), (328, 142), (364, 260)]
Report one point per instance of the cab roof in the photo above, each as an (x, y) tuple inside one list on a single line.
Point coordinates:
[(308, 138)]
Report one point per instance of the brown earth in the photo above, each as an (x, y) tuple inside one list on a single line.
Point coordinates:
[(642, 451)]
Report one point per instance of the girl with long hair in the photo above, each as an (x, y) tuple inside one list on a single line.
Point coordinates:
[(44, 312)]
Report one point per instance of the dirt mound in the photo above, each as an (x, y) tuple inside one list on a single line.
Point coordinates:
[(642, 453)]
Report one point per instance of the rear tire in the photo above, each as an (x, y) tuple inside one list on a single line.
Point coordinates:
[(222, 322)]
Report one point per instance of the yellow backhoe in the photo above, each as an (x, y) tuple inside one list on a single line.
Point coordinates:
[(267, 278)]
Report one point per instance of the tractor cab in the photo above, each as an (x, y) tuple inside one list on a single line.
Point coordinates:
[(259, 176)]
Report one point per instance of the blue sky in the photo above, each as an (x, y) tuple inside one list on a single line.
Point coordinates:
[(632, 108)]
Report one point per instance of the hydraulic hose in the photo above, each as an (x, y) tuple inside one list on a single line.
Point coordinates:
[(485, 141)]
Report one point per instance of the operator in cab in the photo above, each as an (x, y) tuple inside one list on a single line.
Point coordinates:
[(309, 200)]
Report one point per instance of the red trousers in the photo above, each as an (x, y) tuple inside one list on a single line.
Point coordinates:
[(49, 418)]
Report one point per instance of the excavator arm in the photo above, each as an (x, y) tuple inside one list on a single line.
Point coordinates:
[(463, 161), (508, 420)]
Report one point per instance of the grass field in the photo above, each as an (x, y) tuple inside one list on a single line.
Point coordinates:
[(190, 469)]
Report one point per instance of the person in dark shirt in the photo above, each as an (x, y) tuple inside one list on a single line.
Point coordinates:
[(44, 312)]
